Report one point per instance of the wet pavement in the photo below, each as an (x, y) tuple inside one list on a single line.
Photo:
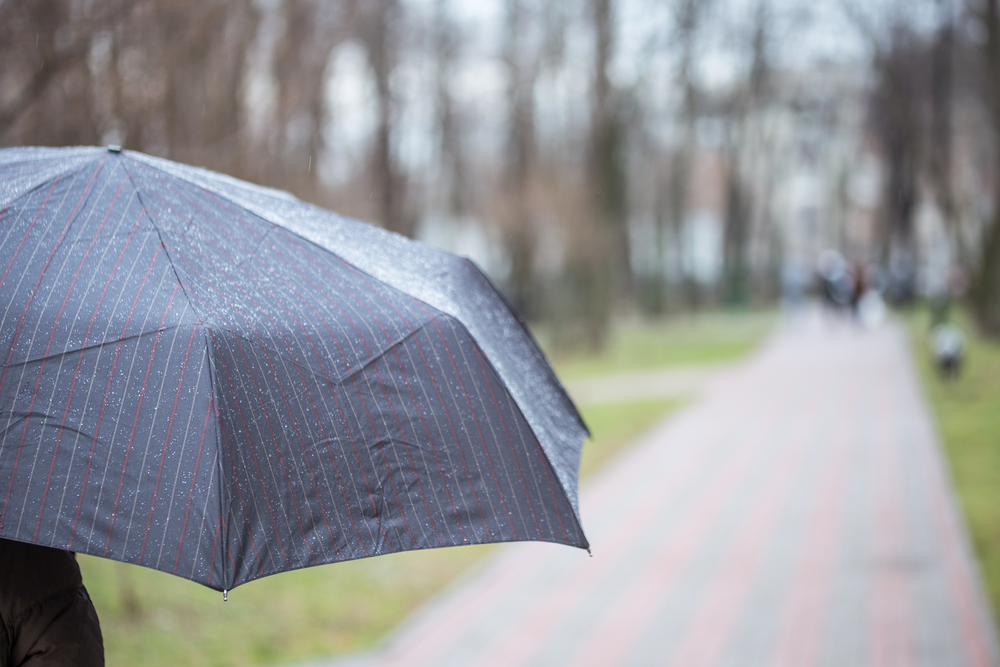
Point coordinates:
[(798, 513)]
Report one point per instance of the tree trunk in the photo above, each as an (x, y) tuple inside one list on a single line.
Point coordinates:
[(985, 291), (607, 265), (519, 225), (379, 39)]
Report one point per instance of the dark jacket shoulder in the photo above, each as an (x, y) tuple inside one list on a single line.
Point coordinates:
[(46, 616), (29, 574)]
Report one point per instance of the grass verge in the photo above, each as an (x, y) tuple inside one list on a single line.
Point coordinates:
[(968, 416), (703, 338), (615, 425), (151, 618)]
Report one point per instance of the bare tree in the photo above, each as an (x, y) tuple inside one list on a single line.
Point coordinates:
[(163, 77), (45, 74), (446, 47), (985, 292), (895, 113), (940, 160), (378, 26), (599, 264), (300, 68), (689, 15), (736, 230), (521, 59)]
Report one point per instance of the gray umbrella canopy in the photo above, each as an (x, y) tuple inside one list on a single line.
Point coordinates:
[(217, 380)]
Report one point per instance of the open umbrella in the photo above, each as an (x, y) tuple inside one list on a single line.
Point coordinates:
[(219, 381)]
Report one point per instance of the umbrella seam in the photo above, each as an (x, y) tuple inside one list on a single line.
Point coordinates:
[(150, 215), (351, 373), (69, 172), (543, 433), (524, 327), (94, 346), (225, 505), (545, 457)]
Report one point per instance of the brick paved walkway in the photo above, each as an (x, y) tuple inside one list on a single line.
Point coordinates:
[(798, 514)]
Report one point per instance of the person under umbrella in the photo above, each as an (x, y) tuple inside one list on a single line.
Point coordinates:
[(46, 616)]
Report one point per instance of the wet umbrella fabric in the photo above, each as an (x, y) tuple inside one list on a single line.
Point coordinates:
[(219, 381)]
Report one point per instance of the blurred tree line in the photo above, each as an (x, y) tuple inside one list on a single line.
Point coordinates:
[(935, 113), (554, 131)]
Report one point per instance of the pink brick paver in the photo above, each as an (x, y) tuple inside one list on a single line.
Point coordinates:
[(798, 514)]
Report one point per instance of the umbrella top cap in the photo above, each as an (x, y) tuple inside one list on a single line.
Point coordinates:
[(114, 148)]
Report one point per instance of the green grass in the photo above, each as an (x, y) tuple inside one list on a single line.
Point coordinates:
[(968, 415), (151, 618), (615, 425), (705, 338), (325, 610)]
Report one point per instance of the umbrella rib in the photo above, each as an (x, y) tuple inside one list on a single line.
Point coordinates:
[(179, 284), (475, 420), (370, 361), (503, 423), (441, 400), (232, 459), (95, 346), (291, 239), (216, 467), (225, 510), (546, 468), (547, 367), (543, 432), (455, 401), (166, 440), (413, 333), (294, 363), (392, 483), (326, 377), (326, 296), (393, 347), (166, 248)]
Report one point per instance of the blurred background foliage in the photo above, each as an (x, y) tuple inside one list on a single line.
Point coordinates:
[(595, 156)]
